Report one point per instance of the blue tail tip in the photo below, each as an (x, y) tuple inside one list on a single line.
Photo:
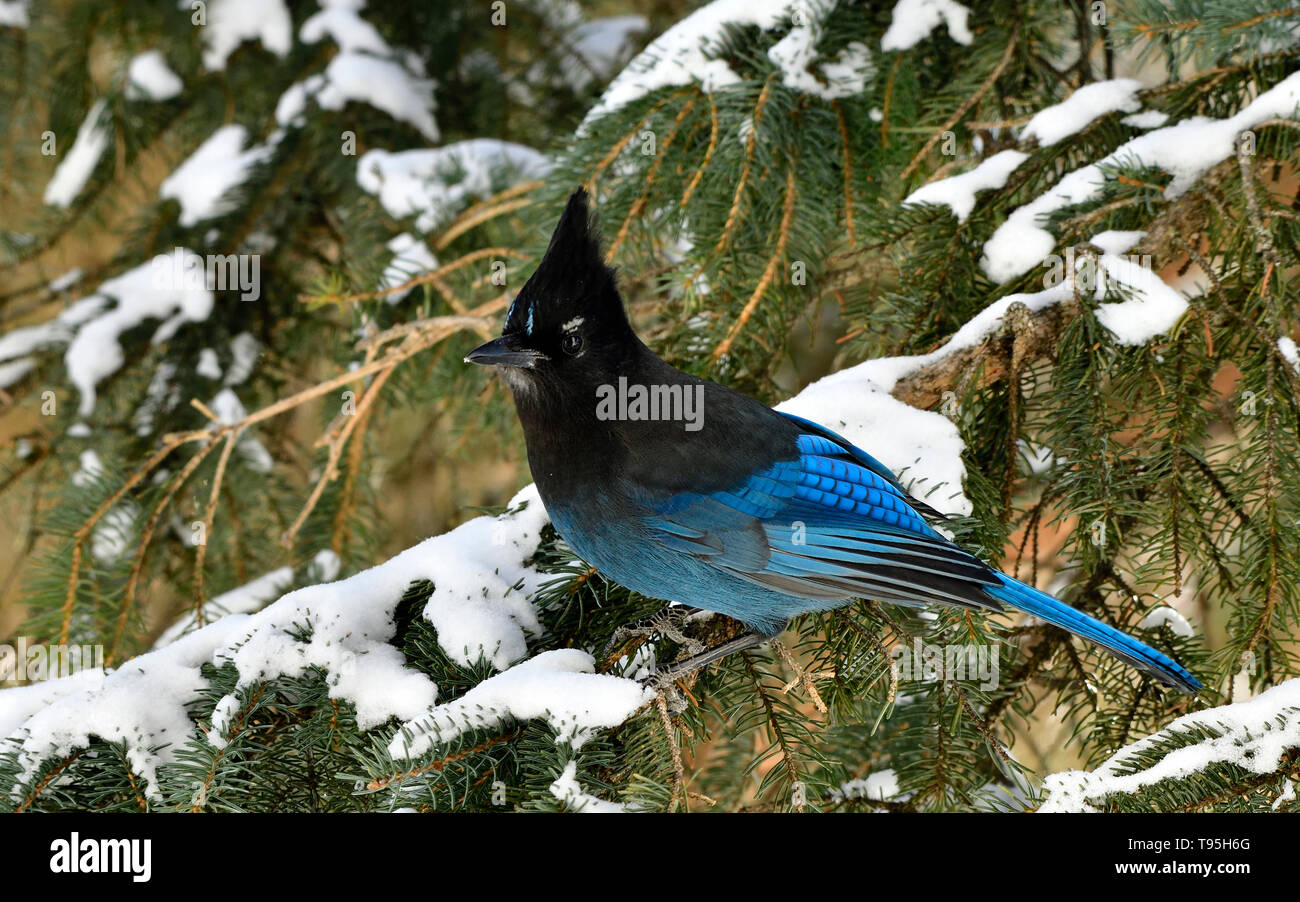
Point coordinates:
[(1123, 646)]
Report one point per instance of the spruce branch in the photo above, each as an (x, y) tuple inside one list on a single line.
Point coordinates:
[(985, 86)]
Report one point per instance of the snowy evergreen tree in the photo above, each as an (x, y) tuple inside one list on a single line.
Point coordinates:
[(1035, 257)]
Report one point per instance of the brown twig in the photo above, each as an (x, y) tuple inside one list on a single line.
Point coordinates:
[(336, 446), (383, 782), (506, 202), (137, 566), (623, 142), (1007, 56), (635, 210), (209, 512), (708, 153), (434, 277), (679, 772), (428, 333), (769, 272), (848, 174), (751, 143)]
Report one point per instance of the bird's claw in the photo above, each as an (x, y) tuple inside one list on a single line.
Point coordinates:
[(673, 698), (667, 622), (658, 681)]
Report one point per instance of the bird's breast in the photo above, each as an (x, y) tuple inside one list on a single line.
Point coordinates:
[(607, 531)]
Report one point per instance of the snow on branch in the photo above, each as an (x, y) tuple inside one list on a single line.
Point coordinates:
[(1048, 126), (13, 14), (434, 184), (150, 78), (1253, 735), (885, 404), (232, 22), (92, 326), (204, 183), (914, 20), (568, 790), (691, 52), (958, 192), (558, 686), (1185, 150), (366, 69), (74, 169), (1148, 306), (1089, 103), (139, 294), (480, 608)]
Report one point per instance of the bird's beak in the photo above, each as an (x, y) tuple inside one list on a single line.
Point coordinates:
[(504, 351)]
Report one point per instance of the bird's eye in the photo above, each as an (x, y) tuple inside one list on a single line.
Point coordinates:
[(571, 343)]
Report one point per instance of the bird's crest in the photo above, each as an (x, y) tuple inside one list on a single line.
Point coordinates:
[(571, 281)]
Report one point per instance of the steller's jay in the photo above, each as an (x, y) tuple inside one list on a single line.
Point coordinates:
[(732, 507)]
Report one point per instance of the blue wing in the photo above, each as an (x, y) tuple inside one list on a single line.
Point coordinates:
[(844, 446), (833, 523)]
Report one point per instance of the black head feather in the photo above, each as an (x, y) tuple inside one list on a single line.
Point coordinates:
[(572, 282)]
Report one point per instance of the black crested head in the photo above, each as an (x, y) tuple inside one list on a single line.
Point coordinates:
[(567, 326), (572, 279)]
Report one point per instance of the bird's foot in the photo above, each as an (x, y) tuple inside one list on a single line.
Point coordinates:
[(664, 678), (674, 700), (667, 622)]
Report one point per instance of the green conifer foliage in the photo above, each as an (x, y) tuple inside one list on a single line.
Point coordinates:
[(1080, 288)]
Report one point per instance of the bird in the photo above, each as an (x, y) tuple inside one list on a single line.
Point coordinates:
[(685, 491)]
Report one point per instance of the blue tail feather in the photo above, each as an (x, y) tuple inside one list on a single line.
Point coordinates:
[(1126, 648)]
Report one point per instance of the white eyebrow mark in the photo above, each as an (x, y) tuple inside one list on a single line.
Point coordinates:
[(572, 324)]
